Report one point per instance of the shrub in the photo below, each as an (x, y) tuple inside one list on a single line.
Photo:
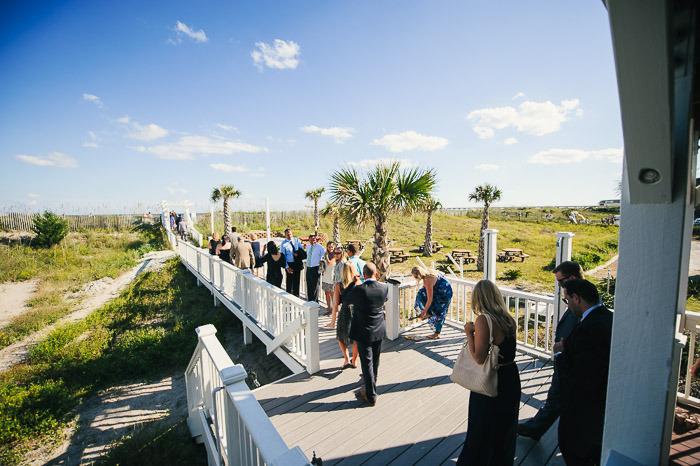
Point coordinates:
[(50, 229), (693, 287), (587, 259), (512, 274)]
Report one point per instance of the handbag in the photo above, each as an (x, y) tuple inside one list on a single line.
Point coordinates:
[(479, 378)]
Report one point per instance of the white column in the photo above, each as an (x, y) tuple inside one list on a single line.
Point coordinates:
[(267, 217), (564, 244), (212, 218), (393, 318), (313, 357), (247, 335), (490, 252)]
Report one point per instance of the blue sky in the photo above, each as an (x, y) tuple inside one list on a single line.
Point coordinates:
[(114, 106)]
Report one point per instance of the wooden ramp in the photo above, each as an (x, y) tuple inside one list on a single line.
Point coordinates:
[(420, 416)]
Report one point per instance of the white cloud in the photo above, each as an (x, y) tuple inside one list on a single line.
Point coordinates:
[(510, 141), (338, 133), (559, 156), (54, 159), (487, 167), (184, 30), (232, 129), (224, 167), (176, 190), (124, 120), (410, 140), (32, 195), (148, 132), (94, 99), (367, 164), (612, 155), (281, 55), (189, 146), (537, 118), (94, 140), (518, 95)]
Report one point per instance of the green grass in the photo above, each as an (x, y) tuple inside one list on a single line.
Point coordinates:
[(593, 244), (79, 259), (147, 332)]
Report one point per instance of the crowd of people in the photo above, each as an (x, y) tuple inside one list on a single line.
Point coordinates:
[(355, 301)]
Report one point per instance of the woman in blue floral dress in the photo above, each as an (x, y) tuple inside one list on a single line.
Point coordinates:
[(433, 299)]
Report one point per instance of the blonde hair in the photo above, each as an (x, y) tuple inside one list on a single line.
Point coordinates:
[(421, 272), (487, 299), (215, 236), (254, 237), (348, 273)]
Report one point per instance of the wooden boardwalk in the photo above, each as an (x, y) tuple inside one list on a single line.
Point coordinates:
[(420, 416)]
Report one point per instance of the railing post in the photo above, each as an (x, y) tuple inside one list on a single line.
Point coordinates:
[(313, 359), (215, 262), (393, 319), (490, 254), (199, 268), (564, 243)]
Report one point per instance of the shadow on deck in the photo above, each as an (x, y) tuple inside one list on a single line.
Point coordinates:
[(420, 416)]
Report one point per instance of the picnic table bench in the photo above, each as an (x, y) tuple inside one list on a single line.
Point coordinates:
[(356, 242), (511, 254), (397, 255)]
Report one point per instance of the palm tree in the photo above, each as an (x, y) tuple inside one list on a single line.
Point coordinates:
[(225, 192), (383, 190), (486, 194), (314, 195), (333, 210), (430, 206)]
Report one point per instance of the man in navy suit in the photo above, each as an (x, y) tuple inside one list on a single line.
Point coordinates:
[(367, 327), (545, 417), (583, 361)]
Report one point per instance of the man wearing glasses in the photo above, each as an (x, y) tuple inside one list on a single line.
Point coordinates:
[(582, 361), (545, 417)]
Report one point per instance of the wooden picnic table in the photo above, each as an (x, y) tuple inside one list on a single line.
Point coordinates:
[(510, 254), (436, 246), (464, 254), (397, 255)]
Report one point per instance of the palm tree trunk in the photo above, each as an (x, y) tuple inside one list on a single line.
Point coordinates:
[(227, 217), (484, 227), (336, 230), (428, 244), (316, 217), (380, 253)]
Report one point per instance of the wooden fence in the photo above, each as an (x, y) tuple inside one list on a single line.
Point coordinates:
[(24, 221)]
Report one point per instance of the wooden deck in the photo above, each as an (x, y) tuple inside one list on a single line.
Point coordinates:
[(420, 416)]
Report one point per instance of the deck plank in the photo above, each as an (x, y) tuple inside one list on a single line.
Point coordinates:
[(420, 416)]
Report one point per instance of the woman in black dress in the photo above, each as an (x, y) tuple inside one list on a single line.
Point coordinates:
[(255, 244), (342, 333), (225, 249), (493, 421), (275, 263), (214, 244)]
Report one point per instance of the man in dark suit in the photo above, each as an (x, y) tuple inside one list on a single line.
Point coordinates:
[(583, 361), (367, 327), (545, 417)]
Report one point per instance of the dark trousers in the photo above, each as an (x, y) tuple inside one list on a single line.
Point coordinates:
[(292, 281), (369, 361), (312, 283), (578, 453), (549, 413)]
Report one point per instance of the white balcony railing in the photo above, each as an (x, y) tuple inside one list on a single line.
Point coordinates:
[(286, 324), (225, 416), (691, 326), (533, 313)]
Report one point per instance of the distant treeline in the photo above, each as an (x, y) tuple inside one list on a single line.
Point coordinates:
[(24, 221)]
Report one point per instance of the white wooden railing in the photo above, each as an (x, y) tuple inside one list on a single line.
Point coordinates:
[(691, 324), (287, 325), (225, 416), (533, 313)]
